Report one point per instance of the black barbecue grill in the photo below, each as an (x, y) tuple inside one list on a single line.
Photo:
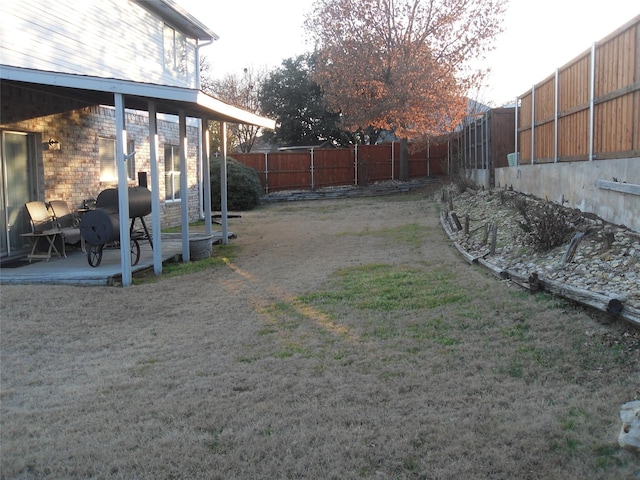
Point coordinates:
[(101, 226)]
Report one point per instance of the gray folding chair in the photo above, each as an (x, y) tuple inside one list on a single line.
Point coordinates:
[(68, 223), (43, 226)]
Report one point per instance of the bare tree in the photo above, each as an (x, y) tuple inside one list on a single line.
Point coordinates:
[(205, 75), (241, 91), (207, 85)]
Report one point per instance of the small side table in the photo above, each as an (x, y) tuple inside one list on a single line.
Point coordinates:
[(35, 237)]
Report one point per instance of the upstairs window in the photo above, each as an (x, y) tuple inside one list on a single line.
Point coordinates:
[(175, 51), (171, 172), (108, 164)]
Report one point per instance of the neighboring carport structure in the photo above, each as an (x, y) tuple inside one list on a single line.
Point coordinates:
[(154, 99)]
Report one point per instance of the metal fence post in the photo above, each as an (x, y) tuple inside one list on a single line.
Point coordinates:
[(313, 179), (355, 164), (487, 136), (266, 173), (533, 118), (555, 117), (592, 93), (475, 144), (516, 131), (467, 150), (393, 160), (428, 158)]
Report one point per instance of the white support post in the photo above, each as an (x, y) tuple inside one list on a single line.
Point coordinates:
[(184, 185), (223, 184), (206, 176), (155, 189), (592, 95), (123, 191)]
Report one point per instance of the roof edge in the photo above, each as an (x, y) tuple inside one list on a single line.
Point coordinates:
[(178, 17), (151, 91)]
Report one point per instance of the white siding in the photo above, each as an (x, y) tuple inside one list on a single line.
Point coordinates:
[(105, 38)]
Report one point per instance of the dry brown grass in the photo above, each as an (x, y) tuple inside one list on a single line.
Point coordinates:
[(257, 371)]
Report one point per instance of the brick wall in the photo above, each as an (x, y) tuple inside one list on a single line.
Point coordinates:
[(73, 172)]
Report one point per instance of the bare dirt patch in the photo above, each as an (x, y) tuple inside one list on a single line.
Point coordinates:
[(262, 369)]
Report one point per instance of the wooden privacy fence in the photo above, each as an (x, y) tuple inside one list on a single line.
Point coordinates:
[(486, 140), (589, 109), (357, 165)]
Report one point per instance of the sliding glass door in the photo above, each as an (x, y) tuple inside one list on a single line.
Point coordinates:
[(17, 187)]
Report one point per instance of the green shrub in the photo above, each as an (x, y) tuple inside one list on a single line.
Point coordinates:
[(243, 185)]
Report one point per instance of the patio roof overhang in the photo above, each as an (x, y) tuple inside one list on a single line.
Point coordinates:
[(81, 90), (100, 91)]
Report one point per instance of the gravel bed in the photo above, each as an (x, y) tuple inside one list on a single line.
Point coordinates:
[(386, 187), (594, 267)]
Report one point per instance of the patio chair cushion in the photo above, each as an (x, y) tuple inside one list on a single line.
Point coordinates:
[(66, 221), (40, 218)]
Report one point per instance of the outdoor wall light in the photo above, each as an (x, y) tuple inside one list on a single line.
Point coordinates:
[(54, 144)]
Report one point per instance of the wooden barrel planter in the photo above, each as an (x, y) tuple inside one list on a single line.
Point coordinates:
[(200, 246)]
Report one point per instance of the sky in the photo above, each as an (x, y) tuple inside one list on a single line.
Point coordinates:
[(539, 36)]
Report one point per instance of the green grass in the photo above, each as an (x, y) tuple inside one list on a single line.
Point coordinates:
[(606, 456), (383, 295), (433, 329), (143, 367), (574, 417), (289, 317), (411, 196), (386, 288), (318, 208), (178, 229), (515, 370), (517, 331), (411, 234), (551, 302), (214, 444), (596, 354), (574, 425), (220, 256)]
